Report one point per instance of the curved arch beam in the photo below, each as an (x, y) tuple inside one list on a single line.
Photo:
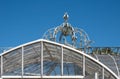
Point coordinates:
[(77, 51), (115, 64)]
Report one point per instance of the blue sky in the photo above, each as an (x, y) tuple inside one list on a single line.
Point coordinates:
[(22, 21)]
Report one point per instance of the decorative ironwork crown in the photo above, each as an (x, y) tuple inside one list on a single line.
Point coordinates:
[(67, 34)]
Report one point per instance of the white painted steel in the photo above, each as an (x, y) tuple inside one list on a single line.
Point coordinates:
[(115, 64), (67, 77), (83, 65), (1, 66), (80, 52), (96, 57), (96, 75), (103, 73), (41, 58), (86, 55), (22, 61), (62, 62)]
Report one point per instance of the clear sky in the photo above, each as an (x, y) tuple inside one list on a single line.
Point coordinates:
[(22, 21)]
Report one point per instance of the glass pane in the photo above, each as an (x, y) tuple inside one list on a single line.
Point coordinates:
[(72, 62), (91, 68), (108, 75), (32, 59), (51, 59), (12, 62)]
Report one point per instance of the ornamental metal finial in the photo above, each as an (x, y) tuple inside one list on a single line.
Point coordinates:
[(66, 16), (68, 35)]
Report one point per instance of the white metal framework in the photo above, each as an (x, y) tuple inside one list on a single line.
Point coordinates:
[(47, 59), (63, 53)]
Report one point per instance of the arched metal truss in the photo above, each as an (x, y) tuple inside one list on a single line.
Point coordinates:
[(47, 59)]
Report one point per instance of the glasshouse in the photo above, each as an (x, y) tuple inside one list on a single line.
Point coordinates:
[(64, 52)]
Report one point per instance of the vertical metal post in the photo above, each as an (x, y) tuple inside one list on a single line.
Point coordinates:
[(62, 62), (102, 73), (85, 51), (96, 75), (83, 65), (41, 58), (22, 61), (1, 66)]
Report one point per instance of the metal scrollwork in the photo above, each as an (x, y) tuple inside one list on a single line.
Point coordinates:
[(66, 34)]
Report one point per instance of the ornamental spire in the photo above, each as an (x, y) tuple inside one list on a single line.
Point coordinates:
[(66, 16)]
